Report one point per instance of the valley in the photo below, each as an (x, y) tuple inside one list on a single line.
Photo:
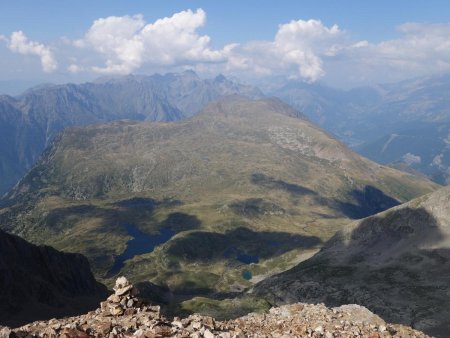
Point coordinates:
[(221, 200)]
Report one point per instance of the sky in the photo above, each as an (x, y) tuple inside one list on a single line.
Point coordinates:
[(340, 43)]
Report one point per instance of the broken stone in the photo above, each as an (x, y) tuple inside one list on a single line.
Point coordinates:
[(134, 319), (114, 298), (116, 311), (122, 291), (208, 334)]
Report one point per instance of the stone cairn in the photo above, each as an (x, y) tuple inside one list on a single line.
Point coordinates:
[(123, 301)]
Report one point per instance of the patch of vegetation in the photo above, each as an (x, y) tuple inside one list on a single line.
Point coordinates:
[(226, 308)]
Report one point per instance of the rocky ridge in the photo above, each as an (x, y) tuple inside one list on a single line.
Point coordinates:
[(124, 315)]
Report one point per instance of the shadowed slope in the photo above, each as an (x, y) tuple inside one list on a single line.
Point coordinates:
[(396, 263), (41, 282)]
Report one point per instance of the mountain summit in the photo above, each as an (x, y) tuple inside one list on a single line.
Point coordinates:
[(124, 314)]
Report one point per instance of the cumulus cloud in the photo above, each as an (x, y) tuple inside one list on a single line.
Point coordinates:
[(310, 50), (19, 43), (128, 42), (298, 49)]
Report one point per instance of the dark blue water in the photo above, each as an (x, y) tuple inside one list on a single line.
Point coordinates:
[(247, 259), (140, 244), (247, 275), (241, 257)]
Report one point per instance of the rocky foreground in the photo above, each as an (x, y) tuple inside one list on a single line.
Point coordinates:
[(124, 315)]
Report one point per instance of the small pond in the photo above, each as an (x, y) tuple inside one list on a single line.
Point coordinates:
[(247, 275)]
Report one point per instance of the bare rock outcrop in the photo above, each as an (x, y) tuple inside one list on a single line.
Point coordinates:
[(124, 315)]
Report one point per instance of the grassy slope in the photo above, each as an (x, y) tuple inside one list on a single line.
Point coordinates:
[(241, 173)]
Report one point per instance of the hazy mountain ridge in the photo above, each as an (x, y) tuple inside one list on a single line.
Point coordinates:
[(406, 113), (30, 121)]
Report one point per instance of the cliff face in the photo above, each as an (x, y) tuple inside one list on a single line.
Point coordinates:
[(39, 282)]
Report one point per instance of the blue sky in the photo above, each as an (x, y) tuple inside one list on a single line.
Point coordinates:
[(250, 39), (228, 21)]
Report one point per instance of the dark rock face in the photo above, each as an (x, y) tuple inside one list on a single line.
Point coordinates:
[(39, 282)]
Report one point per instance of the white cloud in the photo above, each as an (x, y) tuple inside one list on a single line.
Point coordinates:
[(410, 159), (19, 43), (129, 42), (300, 49), (422, 45), (309, 50), (73, 68), (422, 49), (297, 50), (437, 160)]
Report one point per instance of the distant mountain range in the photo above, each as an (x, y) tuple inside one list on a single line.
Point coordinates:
[(191, 204), (29, 122), (39, 282), (406, 122)]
